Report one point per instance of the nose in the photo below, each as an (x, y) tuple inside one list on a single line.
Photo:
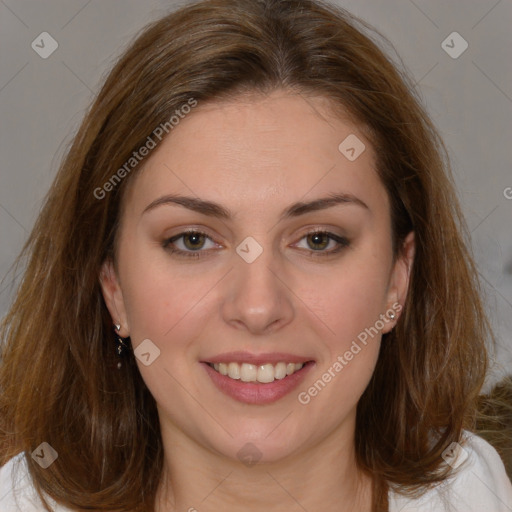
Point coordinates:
[(257, 298)]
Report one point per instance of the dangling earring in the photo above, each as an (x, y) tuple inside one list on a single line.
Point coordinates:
[(122, 346)]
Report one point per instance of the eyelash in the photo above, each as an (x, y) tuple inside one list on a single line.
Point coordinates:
[(167, 244)]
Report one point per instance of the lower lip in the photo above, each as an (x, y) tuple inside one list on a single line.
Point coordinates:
[(256, 392)]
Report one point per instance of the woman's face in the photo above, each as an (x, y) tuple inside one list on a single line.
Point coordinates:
[(258, 288)]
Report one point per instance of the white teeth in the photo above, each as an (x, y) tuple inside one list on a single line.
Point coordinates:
[(234, 370), (280, 371), (264, 373), (248, 372)]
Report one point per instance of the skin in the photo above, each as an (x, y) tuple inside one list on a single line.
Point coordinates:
[(256, 155)]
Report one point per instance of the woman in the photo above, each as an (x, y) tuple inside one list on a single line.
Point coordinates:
[(249, 286)]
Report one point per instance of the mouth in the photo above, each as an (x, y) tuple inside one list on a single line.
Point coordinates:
[(257, 384), (263, 373)]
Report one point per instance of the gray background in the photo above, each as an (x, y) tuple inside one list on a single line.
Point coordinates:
[(470, 98)]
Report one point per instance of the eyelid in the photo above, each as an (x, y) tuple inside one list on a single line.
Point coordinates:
[(342, 241), (167, 243)]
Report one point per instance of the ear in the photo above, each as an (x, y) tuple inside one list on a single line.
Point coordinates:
[(399, 280), (113, 296)]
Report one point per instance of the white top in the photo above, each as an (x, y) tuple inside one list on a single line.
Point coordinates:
[(479, 484)]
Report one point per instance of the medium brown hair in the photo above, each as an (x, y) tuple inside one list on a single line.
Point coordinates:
[(58, 379), (494, 420)]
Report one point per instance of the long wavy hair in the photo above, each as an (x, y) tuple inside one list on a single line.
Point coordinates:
[(58, 376)]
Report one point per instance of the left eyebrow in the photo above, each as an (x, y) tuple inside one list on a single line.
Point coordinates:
[(297, 209), (322, 203)]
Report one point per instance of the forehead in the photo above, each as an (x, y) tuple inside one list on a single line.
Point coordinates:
[(258, 151)]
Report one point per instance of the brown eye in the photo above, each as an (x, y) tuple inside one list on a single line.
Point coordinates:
[(318, 241), (189, 244), (194, 241)]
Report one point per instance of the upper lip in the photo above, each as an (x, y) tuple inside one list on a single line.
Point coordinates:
[(257, 359)]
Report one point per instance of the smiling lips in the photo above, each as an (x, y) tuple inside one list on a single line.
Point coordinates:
[(264, 373), (257, 379)]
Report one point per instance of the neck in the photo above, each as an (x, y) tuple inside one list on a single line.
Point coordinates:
[(321, 477)]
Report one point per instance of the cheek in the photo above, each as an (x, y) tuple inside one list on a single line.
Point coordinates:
[(349, 299), (351, 306), (168, 309), (351, 310), (160, 302)]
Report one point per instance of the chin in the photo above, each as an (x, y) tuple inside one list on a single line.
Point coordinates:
[(256, 442)]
